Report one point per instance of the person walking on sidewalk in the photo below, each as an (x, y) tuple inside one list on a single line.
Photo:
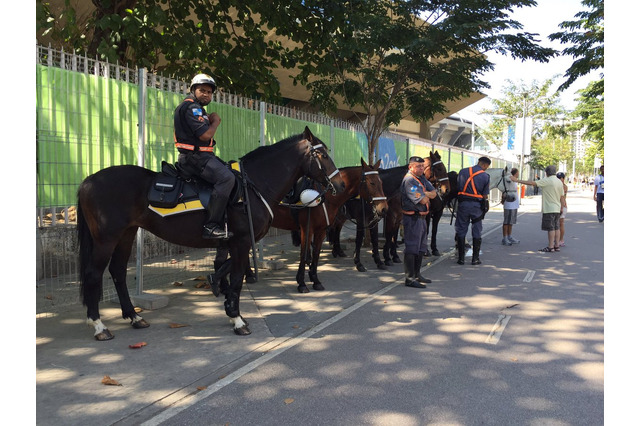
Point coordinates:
[(563, 212), (416, 191), (511, 204), (598, 194), (473, 204), (552, 199)]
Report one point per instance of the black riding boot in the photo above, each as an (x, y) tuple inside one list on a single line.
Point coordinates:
[(214, 225), (461, 249), (409, 272), (417, 267), (475, 257)]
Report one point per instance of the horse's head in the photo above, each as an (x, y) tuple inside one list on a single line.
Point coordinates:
[(371, 188), (439, 175), (320, 166)]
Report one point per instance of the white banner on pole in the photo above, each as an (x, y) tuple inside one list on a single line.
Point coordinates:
[(523, 133)]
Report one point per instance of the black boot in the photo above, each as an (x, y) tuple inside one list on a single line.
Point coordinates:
[(214, 225), (417, 267), (461, 249), (475, 257), (409, 272)]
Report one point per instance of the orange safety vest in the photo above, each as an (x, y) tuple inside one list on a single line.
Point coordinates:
[(473, 185)]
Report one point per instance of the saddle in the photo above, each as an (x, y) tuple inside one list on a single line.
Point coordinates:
[(176, 190)]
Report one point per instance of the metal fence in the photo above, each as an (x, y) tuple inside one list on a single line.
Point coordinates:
[(93, 114)]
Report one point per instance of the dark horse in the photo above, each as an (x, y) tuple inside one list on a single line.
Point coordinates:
[(112, 205), (309, 224), (391, 181)]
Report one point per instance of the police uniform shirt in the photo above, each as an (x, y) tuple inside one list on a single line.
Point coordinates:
[(190, 122), (480, 180), (414, 189)]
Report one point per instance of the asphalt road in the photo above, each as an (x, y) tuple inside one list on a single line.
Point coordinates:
[(518, 340)]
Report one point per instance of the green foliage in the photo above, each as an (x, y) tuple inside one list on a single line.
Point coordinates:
[(385, 60), (177, 38), (536, 98), (590, 115), (586, 38)]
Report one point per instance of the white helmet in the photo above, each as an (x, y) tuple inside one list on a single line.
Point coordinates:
[(203, 79), (310, 197)]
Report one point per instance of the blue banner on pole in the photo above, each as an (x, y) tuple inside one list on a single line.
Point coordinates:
[(387, 152), (511, 137)]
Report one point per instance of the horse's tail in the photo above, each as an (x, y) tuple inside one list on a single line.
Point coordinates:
[(85, 242)]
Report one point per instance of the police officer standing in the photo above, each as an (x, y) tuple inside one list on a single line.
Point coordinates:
[(193, 132), (473, 203), (416, 191)]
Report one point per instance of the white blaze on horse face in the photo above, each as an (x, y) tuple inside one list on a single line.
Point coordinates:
[(97, 325)]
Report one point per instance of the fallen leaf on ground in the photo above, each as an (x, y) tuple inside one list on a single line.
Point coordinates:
[(176, 325), (177, 283), (202, 285), (106, 380), (200, 278), (138, 345), (138, 309), (289, 400), (201, 388)]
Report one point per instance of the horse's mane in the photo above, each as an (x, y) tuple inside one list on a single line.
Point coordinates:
[(277, 147)]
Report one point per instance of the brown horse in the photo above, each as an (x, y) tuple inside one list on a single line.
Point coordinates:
[(112, 205), (360, 182)]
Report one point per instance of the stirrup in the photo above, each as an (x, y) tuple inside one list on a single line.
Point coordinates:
[(214, 232)]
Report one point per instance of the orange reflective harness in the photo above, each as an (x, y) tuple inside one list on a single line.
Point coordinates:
[(473, 185), (424, 191)]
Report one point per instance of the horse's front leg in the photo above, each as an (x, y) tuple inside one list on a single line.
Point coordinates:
[(375, 248), (313, 268), (435, 220), (118, 271), (336, 248), (304, 254), (356, 253), (232, 297)]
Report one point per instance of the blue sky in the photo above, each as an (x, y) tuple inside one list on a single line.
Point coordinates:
[(543, 19)]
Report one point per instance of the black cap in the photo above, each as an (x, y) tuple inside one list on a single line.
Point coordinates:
[(560, 175), (416, 159)]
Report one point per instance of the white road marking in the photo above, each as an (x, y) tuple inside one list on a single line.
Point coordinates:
[(529, 276), (498, 328)]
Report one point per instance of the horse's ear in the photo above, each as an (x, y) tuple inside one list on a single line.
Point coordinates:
[(307, 133), (377, 165), (362, 162)]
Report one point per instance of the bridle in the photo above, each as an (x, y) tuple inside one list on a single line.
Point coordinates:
[(438, 182), (316, 152), (371, 199)]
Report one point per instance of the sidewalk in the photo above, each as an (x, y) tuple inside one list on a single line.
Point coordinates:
[(190, 345)]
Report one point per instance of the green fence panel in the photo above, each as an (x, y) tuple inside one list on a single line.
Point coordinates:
[(349, 147)]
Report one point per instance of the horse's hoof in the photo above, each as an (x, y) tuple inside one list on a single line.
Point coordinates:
[(397, 260), (140, 324), (242, 331), (382, 266), (303, 289), (104, 335), (318, 287), (251, 279), (388, 262), (435, 252), (360, 267)]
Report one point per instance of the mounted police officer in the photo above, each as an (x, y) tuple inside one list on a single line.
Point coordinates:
[(416, 191), (473, 203), (193, 131)]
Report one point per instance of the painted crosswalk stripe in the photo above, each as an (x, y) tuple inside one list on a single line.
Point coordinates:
[(529, 276)]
